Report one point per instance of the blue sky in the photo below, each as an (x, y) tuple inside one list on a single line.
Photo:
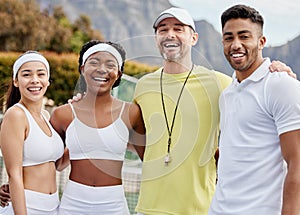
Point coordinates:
[(282, 17)]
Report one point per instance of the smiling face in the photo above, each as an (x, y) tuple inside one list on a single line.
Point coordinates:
[(243, 43), (174, 39), (100, 72), (32, 80)]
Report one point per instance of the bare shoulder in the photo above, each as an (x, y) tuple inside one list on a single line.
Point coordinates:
[(62, 111), (14, 114), (61, 116), (14, 118), (134, 109)]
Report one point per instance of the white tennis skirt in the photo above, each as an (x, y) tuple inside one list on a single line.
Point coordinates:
[(37, 204), (79, 199)]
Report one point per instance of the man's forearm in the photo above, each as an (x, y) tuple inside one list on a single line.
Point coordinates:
[(291, 193)]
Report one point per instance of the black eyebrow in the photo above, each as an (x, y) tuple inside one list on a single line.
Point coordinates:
[(244, 31), (240, 32), (109, 60), (180, 24), (227, 34)]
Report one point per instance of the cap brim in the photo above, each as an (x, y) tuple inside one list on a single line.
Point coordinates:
[(161, 18)]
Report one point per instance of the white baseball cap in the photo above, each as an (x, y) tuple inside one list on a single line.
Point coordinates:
[(180, 14)]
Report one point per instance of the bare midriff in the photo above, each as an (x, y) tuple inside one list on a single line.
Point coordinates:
[(40, 178), (96, 172)]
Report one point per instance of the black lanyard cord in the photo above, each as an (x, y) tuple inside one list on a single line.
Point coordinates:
[(170, 130)]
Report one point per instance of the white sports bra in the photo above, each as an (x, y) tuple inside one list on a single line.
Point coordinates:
[(85, 142), (39, 147)]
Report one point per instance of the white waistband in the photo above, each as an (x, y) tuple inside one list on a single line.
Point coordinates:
[(91, 194), (41, 201)]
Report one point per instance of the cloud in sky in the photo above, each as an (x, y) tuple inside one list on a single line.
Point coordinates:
[(281, 16)]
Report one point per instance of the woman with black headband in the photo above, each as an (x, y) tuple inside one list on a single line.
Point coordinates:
[(29, 144), (96, 131)]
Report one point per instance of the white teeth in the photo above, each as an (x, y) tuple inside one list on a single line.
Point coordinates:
[(34, 88), (237, 55), (171, 45), (99, 79)]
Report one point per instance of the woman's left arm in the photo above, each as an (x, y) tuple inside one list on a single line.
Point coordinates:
[(12, 136), (137, 134)]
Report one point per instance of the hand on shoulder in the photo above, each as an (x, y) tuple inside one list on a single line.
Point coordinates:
[(76, 98), (278, 66)]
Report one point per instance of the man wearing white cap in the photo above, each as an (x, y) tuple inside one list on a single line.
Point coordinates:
[(179, 103)]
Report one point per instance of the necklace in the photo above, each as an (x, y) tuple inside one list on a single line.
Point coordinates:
[(170, 129)]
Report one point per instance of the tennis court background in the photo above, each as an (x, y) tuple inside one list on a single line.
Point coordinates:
[(131, 171)]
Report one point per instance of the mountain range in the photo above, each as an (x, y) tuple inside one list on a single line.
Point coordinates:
[(129, 22)]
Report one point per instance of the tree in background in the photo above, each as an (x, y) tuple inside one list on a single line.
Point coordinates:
[(25, 27), (82, 31)]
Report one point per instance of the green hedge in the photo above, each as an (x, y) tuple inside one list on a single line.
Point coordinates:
[(64, 74)]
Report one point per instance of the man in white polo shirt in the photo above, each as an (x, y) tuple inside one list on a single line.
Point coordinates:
[(259, 164)]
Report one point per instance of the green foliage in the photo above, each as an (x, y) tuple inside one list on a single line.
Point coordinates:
[(137, 70), (64, 75), (24, 27), (76, 41), (6, 62)]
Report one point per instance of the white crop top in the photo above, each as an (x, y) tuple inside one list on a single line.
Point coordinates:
[(85, 142), (39, 147)]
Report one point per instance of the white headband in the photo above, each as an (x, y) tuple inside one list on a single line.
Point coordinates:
[(103, 47), (28, 57)]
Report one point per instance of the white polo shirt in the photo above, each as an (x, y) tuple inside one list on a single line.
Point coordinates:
[(251, 169)]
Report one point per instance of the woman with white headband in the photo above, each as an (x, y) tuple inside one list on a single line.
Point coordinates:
[(29, 144), (97, 130)]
